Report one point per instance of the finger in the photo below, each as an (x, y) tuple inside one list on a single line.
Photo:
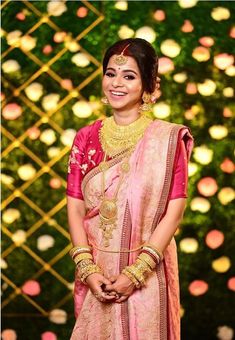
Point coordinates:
[(105, 281), (122, 299), (113, 278), (109, 288)]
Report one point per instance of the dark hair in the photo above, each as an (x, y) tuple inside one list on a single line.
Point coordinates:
[(145, 56)]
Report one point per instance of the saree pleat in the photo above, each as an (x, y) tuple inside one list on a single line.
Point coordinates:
[(151, 312)]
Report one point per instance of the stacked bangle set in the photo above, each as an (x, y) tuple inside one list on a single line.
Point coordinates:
[(138, 272), (83, 259)]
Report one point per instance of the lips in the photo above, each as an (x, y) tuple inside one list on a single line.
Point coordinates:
[(118, 93)]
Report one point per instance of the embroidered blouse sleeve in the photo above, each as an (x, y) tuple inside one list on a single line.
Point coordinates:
[(75, 175), (180, 176)]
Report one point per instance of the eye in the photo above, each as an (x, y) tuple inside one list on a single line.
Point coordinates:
[(129, 77), (109, 74)]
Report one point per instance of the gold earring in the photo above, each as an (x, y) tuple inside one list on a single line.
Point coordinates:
[(146, 106), (104, 100)]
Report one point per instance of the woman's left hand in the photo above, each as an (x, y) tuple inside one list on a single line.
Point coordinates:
[(122, 285)]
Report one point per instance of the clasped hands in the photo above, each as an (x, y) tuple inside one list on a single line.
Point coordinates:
[(115, 289)]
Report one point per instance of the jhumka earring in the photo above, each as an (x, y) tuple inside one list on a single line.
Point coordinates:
[(146, 106), (121, 59), (104, 100)]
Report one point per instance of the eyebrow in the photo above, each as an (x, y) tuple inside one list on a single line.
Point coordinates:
[(113, 69)]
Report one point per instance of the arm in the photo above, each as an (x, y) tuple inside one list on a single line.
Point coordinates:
[(76, 213)]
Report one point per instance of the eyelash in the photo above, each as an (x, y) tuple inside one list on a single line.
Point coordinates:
[(129, 77)]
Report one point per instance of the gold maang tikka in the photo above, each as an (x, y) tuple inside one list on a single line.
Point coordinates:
[(121, 59)]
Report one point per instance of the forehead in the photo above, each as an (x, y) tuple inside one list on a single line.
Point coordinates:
[(131, 64)]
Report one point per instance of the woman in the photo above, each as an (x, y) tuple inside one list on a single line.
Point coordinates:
[(126, 192)]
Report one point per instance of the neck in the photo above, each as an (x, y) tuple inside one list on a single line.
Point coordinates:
[(125, 118)]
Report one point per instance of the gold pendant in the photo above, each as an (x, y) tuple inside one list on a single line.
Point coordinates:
[(108, 210)]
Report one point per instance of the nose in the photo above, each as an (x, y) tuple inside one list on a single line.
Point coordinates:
[(117, 81)]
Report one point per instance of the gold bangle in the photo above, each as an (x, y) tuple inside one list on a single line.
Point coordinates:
[(83, 256), (147, 259), (90, 269), (149, 245), (79, 248), (153, 252), (131, 277)]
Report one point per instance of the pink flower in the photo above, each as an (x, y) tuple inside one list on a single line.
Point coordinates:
[(12, 111), (47, 49), (214, 239), (48, 336), (55, 183), (198, 287), (231, 283), (82, 12), (165, 65), (223, 60), (227, 166), (33, 132), (9, 334), (66, 84), (232, 32), (206, 41), (227, 112), (191, 88), (20, 16), (187, 26), (159, 15), (59, 37), (31, 287), (207, 186)]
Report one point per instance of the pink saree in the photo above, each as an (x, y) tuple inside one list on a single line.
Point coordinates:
[(151, 312)]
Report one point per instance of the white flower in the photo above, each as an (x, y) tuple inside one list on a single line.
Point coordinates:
[(80, 59), (218, 131), (170, 48), (82, 109), (26, 172), (72, 46), (45, 242), (187, 3), (200, 204), (7, 179), (10, 215), (67, 137), (161, 110), (225, 333), (121, 5), (56, 8), (226, 195), (3, 264), (48, 136), (34, 91), (220, 13), (202, 154), (125, 32), (53, 152), (188, 245), (146, 33), (27, 43), (58, 316), (19, 237), (13, 38), (50, 101), (10, 65), (207, 88)]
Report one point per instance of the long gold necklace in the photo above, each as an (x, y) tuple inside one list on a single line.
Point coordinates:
[(110, 134)]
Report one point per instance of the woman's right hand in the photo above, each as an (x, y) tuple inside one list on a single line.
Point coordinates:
[(95, 282)]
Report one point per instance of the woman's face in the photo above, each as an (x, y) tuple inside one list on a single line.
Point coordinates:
[(122, 84)]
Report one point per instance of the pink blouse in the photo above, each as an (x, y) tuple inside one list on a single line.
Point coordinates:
[(86, 153)]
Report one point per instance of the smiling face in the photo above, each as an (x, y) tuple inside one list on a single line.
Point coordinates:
[(122, 85)]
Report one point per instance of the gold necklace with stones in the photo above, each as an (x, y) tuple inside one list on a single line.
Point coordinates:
[(112, 143)]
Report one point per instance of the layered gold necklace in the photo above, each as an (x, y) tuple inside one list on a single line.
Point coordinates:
[(117, 141)]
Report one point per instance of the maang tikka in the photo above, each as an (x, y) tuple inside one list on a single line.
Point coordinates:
[(121, 59)]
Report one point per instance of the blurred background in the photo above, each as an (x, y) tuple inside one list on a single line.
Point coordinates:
[(51, 86)]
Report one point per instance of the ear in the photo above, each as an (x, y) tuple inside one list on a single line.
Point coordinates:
[(156, 93)]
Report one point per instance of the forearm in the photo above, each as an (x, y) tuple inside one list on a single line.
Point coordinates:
[(165, 230), (76, 213)]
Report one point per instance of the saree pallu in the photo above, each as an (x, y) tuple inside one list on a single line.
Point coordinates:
[(152, 312)]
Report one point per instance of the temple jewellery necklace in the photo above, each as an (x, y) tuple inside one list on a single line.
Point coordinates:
[(116, 141)]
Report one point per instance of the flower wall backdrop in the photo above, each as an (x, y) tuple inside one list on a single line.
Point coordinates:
[(51, 66)]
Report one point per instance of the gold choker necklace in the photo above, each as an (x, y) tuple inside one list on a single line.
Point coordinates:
[(115, 139)]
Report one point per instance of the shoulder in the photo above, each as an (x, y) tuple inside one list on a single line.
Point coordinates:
[(167, 125), (85, 132)]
